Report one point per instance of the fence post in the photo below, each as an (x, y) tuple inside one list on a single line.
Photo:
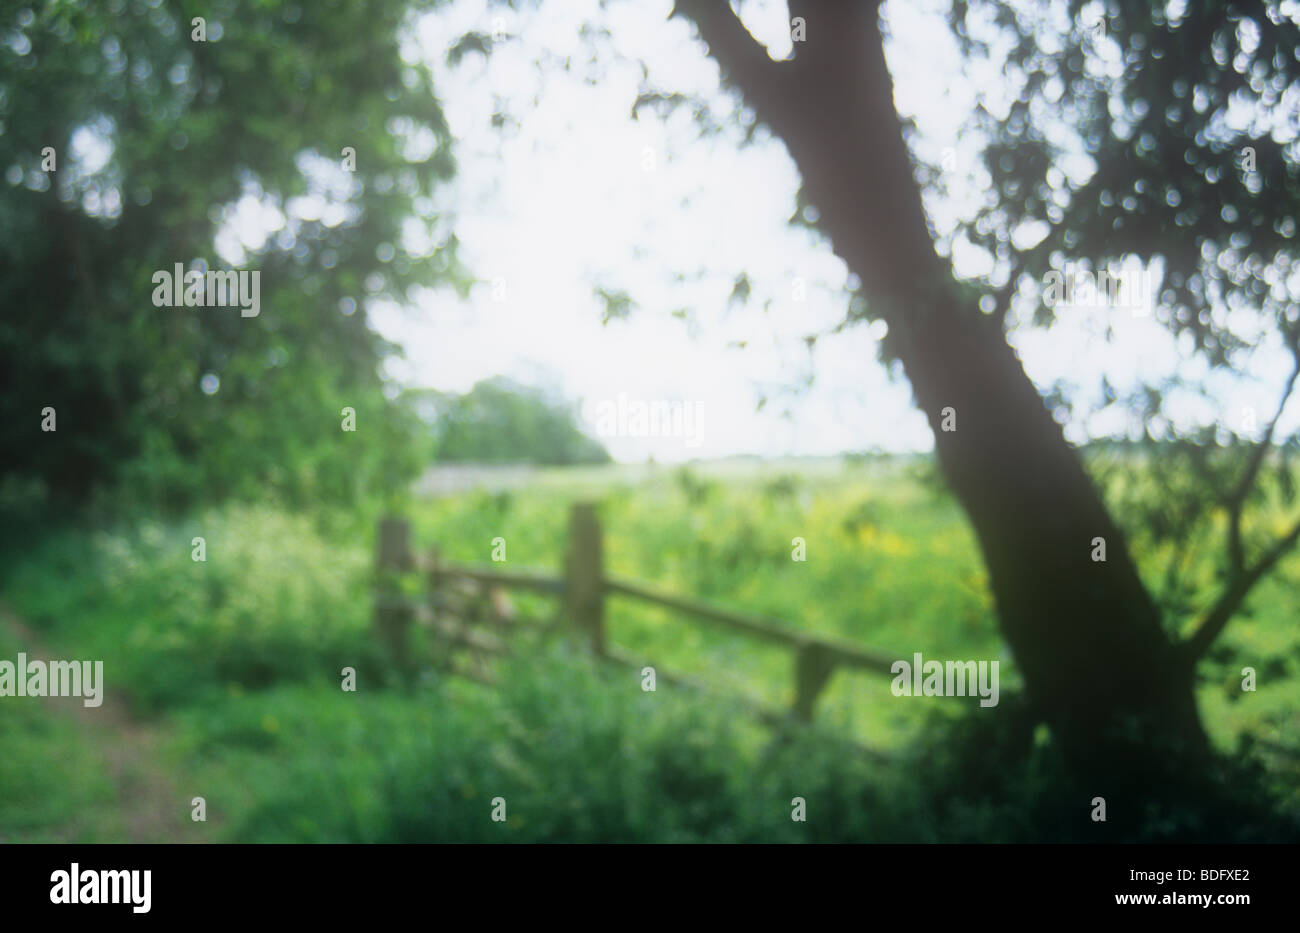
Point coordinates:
[(393, 614), (435, 601), (433, 573), (813, 666), (584, 597)]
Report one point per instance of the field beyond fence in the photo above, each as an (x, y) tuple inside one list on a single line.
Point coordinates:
[(582, 591)]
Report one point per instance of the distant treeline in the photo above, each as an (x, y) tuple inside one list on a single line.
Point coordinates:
[(502, 421)]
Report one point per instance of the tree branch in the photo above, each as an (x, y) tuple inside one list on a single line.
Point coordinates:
[(823, 21), (1242, 580), (833, 107), (1216, 620), (744, 62), (1002, 297), (1237, 499)]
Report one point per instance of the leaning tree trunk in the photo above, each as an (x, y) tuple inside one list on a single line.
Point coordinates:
[(1086, 635)]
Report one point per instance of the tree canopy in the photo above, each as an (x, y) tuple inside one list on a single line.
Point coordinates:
[(501, 421), (168, 147)]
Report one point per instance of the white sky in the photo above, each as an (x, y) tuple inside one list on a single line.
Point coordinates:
[(560, 201)]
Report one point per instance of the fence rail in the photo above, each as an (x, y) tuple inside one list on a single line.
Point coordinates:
[(583, 590)]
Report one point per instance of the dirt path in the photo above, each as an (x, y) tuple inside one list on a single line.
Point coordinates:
[(151, 807)]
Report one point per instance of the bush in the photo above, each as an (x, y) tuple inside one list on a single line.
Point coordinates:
[(272, 602)]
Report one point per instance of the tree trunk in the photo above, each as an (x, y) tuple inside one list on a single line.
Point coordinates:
[(1085, 634)]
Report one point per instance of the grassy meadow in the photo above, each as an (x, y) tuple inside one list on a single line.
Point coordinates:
[(226, 676)]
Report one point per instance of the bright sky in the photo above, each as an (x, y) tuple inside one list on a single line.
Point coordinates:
[(572, 194)]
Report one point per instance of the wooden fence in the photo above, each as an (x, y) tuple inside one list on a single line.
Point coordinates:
[(583, 590)]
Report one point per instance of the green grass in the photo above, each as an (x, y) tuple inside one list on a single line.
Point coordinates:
[(274, 601), (236, 661), (889, 566), (49, 790)]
